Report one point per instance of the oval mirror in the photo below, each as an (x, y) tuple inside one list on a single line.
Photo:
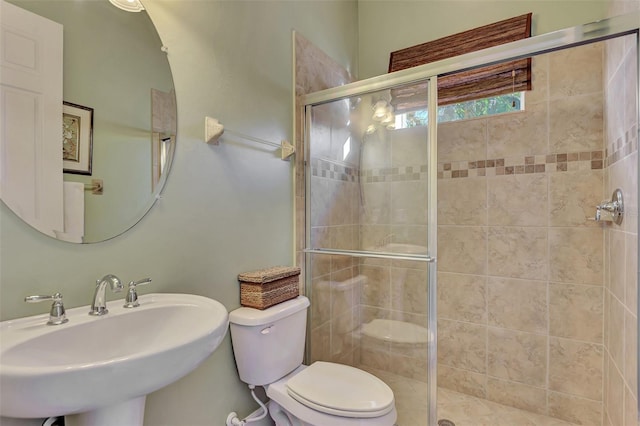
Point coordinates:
[(119, 117)]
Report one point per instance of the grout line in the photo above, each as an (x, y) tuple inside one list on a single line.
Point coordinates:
[(548, 366), (486, 277)]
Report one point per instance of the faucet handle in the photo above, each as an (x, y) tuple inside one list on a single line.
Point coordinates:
[(57, 314), (132, 294)]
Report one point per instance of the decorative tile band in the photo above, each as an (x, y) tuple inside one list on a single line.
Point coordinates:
[(586, 160), (394, 174), (321, 167), (571, 161), (591, 160), (622, 147)]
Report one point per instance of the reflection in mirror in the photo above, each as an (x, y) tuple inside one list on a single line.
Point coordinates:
[(115, 65)]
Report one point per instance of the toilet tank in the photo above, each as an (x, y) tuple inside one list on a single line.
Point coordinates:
[(269, 344)]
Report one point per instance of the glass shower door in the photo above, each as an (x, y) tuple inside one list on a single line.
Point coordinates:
[(370, 270)]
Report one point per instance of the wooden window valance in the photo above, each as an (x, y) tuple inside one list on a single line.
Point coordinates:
[(493, 80)]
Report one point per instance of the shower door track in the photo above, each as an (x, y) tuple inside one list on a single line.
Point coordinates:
[(374, 254)]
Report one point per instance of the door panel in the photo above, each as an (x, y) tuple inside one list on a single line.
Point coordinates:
[(31, 117)]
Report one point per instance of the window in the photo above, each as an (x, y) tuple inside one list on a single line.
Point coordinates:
[(464, 110), (484, 82)]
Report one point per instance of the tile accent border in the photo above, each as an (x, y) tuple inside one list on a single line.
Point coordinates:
[(622, 147), (394, 174), (333, 170), (571, 161)]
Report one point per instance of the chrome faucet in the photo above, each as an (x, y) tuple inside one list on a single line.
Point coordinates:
[(99, 305), (57, 315), (131, 301)]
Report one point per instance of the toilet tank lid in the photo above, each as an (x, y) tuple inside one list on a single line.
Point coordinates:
[(252, 317)]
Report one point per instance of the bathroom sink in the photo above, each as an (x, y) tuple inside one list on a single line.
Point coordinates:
[(91, 363)]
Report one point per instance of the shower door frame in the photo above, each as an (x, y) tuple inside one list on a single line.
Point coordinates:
[(628, 24)]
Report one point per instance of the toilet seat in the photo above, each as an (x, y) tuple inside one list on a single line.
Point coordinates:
[(282, 400), (341, 390)]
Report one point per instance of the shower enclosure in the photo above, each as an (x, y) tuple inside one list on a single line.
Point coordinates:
[(531, 306), (370, 208)]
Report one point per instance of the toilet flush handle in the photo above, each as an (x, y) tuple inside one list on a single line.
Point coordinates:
[(266, 330)]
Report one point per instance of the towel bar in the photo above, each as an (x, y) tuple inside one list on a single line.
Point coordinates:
[(96, 186), (214, 129)]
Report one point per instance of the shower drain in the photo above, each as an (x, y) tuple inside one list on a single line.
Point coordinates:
[(445, 422)]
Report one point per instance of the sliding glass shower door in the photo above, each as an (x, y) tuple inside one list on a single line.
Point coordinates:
[(533, 305), (371, 240)]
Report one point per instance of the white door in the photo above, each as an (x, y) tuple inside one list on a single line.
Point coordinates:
[(31, 117)]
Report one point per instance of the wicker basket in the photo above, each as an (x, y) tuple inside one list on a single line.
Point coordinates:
[(267, 287)]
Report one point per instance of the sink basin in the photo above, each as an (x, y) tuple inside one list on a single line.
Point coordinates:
[(91, 363)]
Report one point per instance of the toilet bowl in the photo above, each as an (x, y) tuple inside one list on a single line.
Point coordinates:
[(268, 346)]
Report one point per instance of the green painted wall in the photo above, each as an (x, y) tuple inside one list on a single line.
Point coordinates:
[(226, 209)]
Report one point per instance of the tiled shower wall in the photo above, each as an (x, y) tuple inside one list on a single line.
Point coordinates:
[(535, 310), (366, 209), (333, 216), (521, 273), (621, 241), (334, 225), (314, 71), (394, 219)]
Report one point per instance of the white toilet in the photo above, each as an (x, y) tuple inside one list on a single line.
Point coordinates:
[(268, 346)]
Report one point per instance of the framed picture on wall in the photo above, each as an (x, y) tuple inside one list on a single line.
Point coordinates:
[(77, 138)]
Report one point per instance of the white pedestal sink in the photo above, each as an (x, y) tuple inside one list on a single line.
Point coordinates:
[(98, 370)]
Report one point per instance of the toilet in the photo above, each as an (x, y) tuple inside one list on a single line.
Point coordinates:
[(268, 346)]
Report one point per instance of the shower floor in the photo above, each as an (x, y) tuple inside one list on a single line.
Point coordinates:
[(461, 409)]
